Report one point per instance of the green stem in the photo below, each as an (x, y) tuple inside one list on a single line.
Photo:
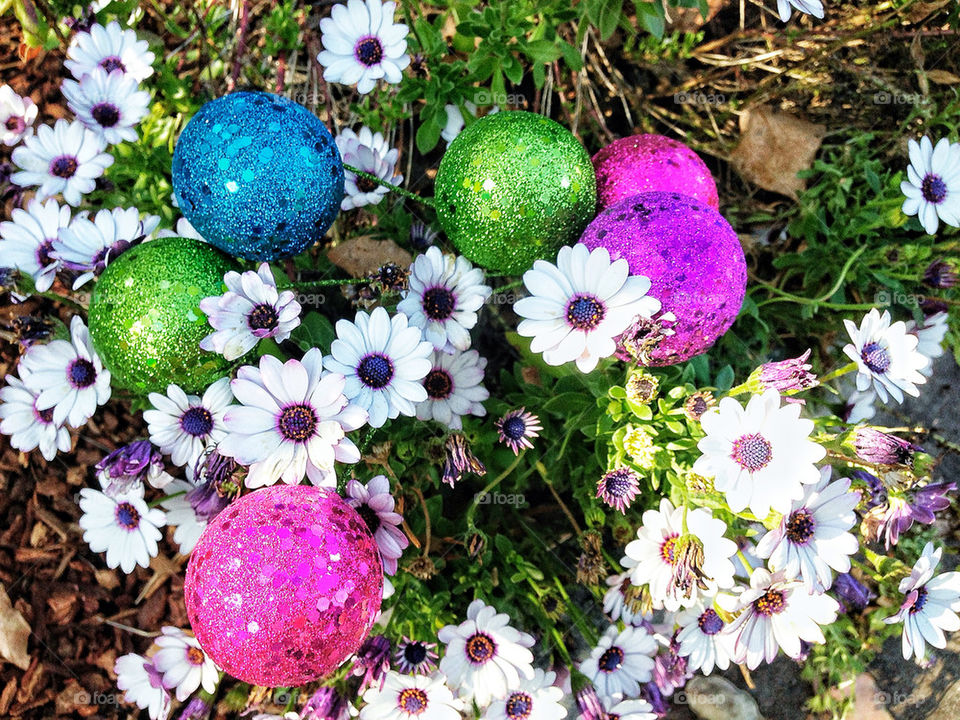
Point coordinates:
[(579, 619), (850, 367), (472, 510), (157, 501), (393, 188), (822, 300), (746, 563), (323, 283)]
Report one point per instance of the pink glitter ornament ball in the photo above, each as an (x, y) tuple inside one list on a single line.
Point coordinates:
[(651, 163), (283, 585), (693, 259)]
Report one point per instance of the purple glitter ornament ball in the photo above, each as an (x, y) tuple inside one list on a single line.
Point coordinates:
[(693, 259), (651, 163), (284, 585)]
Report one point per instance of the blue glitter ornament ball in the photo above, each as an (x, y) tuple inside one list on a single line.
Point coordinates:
[(258, 175)]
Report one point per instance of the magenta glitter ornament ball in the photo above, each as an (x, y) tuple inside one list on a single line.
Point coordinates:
[(283, 585), (693, 258), (651, 163)]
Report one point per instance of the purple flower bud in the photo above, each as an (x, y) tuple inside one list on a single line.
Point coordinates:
[(372, 660), (325, 704), (589, 706), (931, 498), (670, 670), (196, 709), (217, 485), (651, 693), (851, 593), (785, 376), (940, 274), (882, 448), (131, 464), (459, 459)]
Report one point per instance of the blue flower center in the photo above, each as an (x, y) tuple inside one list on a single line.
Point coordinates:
[(64, 166), (196, 421), (438, 303), (876, 357), (772, 602), (106, 114), (375, 371), (611, 660), (619, 483), (585, 312), (81, 373), (438, 384), (920, 601), (112, 63), (480, 648), (519, 706), (514, 428), (709, 622), (368, 51), (752, 452), (127, 516), (934, 189), (415, 653), (297, 423), (412, 701), (263, 317), (800, 527)]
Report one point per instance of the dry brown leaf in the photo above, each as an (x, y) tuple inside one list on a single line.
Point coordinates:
[(774, 147), (362, 255), (943, 77), (14, 632), (922, 10)]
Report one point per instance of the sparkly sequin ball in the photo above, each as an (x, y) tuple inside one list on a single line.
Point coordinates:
[(258, 175), (512, 188), (651, 163), (283, 585), (145, 317), (694, 261)]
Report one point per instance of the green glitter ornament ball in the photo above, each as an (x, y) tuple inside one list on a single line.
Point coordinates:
[(514, 187), (145, 318)]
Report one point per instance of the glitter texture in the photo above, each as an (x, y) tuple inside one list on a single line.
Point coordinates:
[(258, 175), (692, 257), (651, 163), (145, 317), (283, 585), (514, 187)]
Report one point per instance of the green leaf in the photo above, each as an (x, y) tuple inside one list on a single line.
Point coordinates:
[(314, 331), (428, 135), (542, 51)]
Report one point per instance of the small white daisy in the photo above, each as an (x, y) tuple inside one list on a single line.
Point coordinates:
[(932, 187), (621, 661), (703, 636), (16, 116), (537, 699), (930, 605), (760, 456), (123, 526), (930, 337), (860, 405), (810, 7), (28, 238), (184, 426), (28, 427), (454, 388), (580, 305), (251, 309), (485, 657), (141, 684), (88, 246), (410, 697), (886, 356), (110, 48), (444, 295), (632, 709), (109, 104), (69, 376), (66, 158), (375, 505), (182, 516), (455, 122), (620, 602), (362, 44), (185, 666), (293, 421), (369, 152)]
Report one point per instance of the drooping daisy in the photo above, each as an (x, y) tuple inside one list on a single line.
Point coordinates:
[(383, 359), (184, 426), (930, 605), (416, 656), (182, 516), (893, 514), (618, 488), (68, 376), (371, 661), (362, 44), (631, 709), (122, 526), (580, 305), (28, 427), (517, 428), (886, 356), (66, 158), (485, 657), (760, 456), (932, 187), (185, 666), (410, 697), (16, 116), (293, 421), (459, 459), (251, 309), (142, 685), (454, 388), (445, 293), (930, 337), (622, 599), (536, 699), (703, 637), (882, 448), (28, 238), (367, 151), (777, 613), (376, 506), (621, 661), (132, 464), (110, 48), (109, 104), (810, 7)]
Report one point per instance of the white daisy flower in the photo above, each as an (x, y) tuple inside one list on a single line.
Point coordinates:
[(886, 356), (537, 699), (293, 421), (760, 456), (109, 104), (141, 684), (250, 310), (930, 605), (185, 666), (110, 48), (28, 238), (375, 505), (28, 427), (122, 525), (813, 537), (777, 613), (620, 602), (444, 294), (182, 229), (368, 152), (362, 44), (454, 388), (184, 426), (810, 7), (703, 636), (631, 709), (932, 187), (410, 697), (580, 305), (69, 376), (621, 662), (16, 116), (66, 158), (182, 516), (860, 406), (679, 566), (930, 337), (383, 360), (485, 657), (88, 246), (455, 121)]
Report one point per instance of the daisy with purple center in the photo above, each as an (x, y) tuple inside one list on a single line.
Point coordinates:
[(621, 662), (536, 699), (416, 657), (122, 525), (410, 697), (886, 356), (454, 388), (369, 152), (28, 427), (184, 665), (110, 104), (375, 505), (184, 426), (618, 488), (110, 48), (579, 306), (16, 116), (932, 187), (703, 635), (517, 428), (142, 685), (28, 238)]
